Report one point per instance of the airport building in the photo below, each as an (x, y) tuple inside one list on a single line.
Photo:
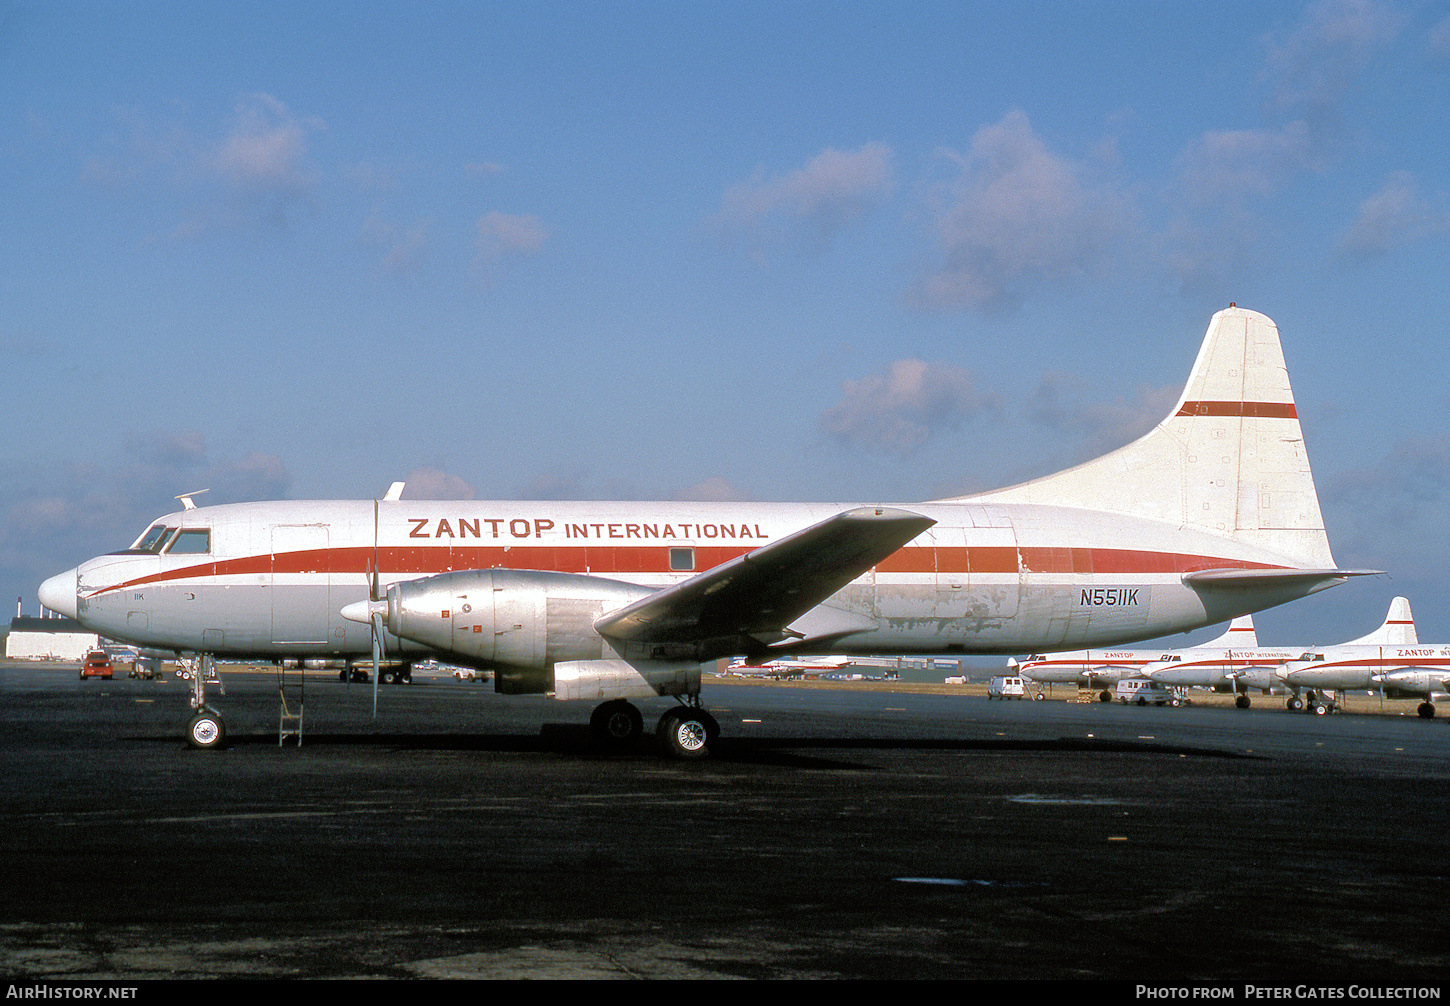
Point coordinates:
[(55, 638)]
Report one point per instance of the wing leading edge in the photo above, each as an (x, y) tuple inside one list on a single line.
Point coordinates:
[(760, 594)]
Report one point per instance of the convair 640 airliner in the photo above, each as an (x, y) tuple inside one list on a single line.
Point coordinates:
[(1211, 515)]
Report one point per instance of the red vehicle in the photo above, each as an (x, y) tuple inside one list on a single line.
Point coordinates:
[(97, 665)]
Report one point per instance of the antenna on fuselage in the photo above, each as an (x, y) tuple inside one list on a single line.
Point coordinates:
[(186, 503)]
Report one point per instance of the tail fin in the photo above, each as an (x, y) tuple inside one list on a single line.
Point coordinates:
[(1240, 635), (1398, 630), (1229, 459)]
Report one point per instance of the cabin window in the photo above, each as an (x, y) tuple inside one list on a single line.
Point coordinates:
[(682, 559), (192, 541)]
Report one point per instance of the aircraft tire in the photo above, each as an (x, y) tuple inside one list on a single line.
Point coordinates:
[(1296, 703), (685, 733), (1320, 709), (616, 724), (1426, 710), (206, 731), (1105, 696), (1242, 702)]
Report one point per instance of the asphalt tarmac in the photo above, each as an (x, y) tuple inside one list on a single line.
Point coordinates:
[(834, 834)]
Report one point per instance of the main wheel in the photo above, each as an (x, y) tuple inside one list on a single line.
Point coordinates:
[(687, 733), (1296, 703), (1320, 709), (1105, 696), (1242, 702), (206, 730), (616, 724), (1426, 710)]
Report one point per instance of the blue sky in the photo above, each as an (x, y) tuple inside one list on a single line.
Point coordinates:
[(741, 251)]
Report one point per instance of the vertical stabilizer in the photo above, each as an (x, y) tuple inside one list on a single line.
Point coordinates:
[(1240, 635), (1229, 459), (1398, 630)]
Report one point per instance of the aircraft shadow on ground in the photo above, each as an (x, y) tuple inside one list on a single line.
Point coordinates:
[(576, 740)]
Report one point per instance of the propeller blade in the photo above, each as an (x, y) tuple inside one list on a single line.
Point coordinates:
[(378, 656)]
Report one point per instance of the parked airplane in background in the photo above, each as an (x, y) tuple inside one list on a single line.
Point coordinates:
[(1211, 515), (1105, 668), (788, 667), (1240, 669), (1390, 659)]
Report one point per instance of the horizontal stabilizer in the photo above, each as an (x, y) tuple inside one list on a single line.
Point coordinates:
[(764, 591), (1230, 579)]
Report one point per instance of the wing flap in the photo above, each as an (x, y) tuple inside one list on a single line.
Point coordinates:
[(762, 592)]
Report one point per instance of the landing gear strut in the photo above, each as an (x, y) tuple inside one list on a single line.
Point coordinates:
[(206, 729)]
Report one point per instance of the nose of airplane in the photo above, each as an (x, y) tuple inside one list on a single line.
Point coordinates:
[(59, 593)]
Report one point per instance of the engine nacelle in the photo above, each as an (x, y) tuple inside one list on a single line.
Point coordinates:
[(522, 622), (1263, 678)]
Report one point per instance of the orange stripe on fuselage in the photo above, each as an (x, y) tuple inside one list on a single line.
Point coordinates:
[(605, 560)]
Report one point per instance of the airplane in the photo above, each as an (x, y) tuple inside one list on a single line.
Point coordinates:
[(1265, 669), (1211, 515), (1391, 659), (788, 667), (1104, 668)]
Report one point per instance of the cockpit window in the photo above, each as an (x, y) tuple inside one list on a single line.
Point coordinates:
[(154, 539), (191, 541)]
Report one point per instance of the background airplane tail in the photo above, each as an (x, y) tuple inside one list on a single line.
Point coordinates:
[(1229, 459), (1397, 630), (1239, 636)]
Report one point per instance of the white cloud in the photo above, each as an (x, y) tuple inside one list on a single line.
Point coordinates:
[(1438, 38), (1395, 514), (552, 487), (55, 515), (1229, 164), (898, 410), (1394, 216), (714, 489), (502, 236), (266, 149), (434, 484), (1016, 216), (1335, 40), (835, 187), (1061, 403)]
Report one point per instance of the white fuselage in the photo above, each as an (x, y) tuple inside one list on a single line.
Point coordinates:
[(996, 578), (1417, 668)]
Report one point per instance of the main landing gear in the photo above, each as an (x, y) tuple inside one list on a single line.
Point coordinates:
[(1426, 710), (685, 732)]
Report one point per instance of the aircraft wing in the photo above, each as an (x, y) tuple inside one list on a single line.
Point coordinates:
[(762, 592)]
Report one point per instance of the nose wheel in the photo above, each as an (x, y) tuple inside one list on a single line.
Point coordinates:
[(206, 730)]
